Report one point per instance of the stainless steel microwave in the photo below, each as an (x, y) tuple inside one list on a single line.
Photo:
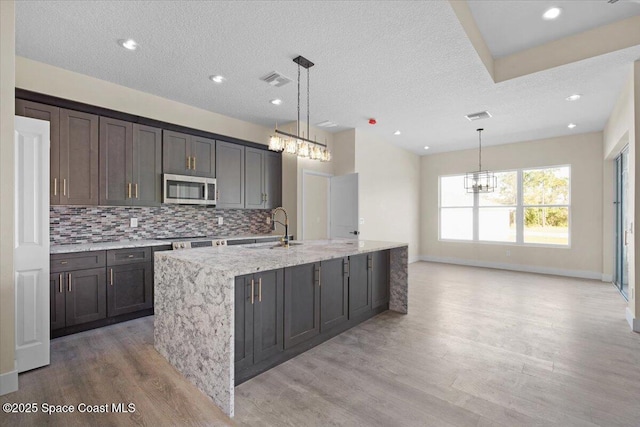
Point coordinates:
[(189, 190)]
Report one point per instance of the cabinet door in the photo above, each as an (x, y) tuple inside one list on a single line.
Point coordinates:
[(268, 310), (52, 115), (302, 303), (379, 266), (129, 288), (86, 296), (254, 193), (272, 179), (147, 166), (359, 286), (203, 157), (78, 158), (116, 147), (334, 293), (56, 301), (176, 153), (243, 336), (230, 175)]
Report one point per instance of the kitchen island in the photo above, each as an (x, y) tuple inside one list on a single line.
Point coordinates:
[(198, 291)]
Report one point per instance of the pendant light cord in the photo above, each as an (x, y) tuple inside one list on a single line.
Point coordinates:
[(308, 103), (480, 149), (298, 124)]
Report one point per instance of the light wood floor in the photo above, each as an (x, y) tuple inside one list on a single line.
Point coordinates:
[(479, 347)]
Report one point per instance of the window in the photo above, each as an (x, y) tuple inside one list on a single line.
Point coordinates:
[(529, 206)]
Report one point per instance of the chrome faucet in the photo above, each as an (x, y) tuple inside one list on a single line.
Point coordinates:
[(285, 238)]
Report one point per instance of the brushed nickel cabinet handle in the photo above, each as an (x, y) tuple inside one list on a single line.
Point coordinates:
[(129, 189), (136, 185), (266, 197), (111, 281), (194, 162), (69, 282), (252, 290), (217, 194), (260, 289), (130, 256), (188, 162), (60, 283), (63, 262), (64, 187), (55, 186)]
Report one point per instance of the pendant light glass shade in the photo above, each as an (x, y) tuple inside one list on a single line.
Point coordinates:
[(480, 181)]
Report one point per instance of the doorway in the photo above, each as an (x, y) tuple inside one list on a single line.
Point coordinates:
[(621, 279)]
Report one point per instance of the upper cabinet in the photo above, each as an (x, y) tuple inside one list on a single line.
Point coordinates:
[(78, 158), (130, 164), (230, 176), (263, 179), (52, 115), (185, 154)]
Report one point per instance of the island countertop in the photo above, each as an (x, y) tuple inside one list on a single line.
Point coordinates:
[(194, 297)]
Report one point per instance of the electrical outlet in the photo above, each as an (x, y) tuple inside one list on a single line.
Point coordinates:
[(269, 220), (133, 222), (220, 220), (361, 221)]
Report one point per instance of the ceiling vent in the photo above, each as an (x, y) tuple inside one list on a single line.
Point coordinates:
[(276, 79), (326, 124), (478, 116), (612, 1)]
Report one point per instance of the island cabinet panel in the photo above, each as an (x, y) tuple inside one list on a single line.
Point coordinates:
[(259, 317), (302, 303), (379, 266), (334, 293), (359, 285), (56, 299)]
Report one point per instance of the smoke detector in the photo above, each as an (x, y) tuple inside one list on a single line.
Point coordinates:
[(478, 116), (276, 79)]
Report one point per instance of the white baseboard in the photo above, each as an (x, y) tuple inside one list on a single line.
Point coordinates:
[(582, 274), (413, 259), (9, 382), (607, 278), (633, 322)]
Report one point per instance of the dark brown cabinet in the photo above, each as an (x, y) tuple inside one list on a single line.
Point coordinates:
[(301, 303), (359, 286), (185, 154), (263, 179), (380, 280), (130, 287), (50, 114), (259, 320), (78, 158), (230, 175), (130, 164), (334, 293), (78, 289)]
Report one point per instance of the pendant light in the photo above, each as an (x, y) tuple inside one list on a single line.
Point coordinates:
[(480, 181), (296, 144)]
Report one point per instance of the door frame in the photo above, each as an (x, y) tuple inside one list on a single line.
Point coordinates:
[(619, 227), (307, 172)]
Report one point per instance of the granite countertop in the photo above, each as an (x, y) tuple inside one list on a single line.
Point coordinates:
[(245, 259), (126, 244)]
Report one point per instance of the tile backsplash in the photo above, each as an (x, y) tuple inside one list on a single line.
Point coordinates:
[(90, 224)]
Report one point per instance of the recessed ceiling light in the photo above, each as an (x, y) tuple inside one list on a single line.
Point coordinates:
[(217, 79), (128, 44), (552, 13), (572, 125), (276, 101), (426, 147), (573, 97), (397, 132)]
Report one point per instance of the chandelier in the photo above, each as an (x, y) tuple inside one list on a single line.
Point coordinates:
[(296, 144), (480, 181)]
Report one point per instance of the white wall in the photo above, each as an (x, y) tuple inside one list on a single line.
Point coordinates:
[(582, 152), (389, 193), (8, 381)]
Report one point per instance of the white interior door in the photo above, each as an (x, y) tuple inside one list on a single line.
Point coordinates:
[(344, 206), (31, 240)]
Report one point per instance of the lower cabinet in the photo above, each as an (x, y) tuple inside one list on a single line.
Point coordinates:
[(77, 297), (301, 303), (130, 288), (259, 317), (282, 313)]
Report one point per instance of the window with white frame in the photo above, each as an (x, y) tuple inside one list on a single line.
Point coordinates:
[(529, 206)]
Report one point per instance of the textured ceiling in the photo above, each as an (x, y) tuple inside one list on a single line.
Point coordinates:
[(408, 64), (512, 26)]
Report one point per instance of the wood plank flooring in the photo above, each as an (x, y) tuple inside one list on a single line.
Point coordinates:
[(479, 347)]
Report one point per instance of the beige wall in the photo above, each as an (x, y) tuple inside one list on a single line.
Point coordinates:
[(316, 204), (344, 152), (582, 152), (7, 110), (389, 191)]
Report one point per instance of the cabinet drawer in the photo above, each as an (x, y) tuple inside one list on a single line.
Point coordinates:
[(126, 256), (240, 242), (77, 261)]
